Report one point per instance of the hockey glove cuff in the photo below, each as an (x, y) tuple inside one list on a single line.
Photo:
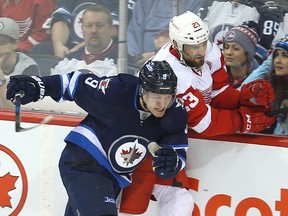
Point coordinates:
[(254, 119)]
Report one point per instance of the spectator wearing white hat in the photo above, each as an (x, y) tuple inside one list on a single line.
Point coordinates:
[(12, 62)]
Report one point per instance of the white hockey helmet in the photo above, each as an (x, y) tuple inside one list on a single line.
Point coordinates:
[(189, 29)]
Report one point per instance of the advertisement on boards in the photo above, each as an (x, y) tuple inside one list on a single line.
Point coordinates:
[(230, 177)]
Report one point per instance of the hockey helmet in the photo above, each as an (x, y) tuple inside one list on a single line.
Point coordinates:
[(157, 77), (189, 29)]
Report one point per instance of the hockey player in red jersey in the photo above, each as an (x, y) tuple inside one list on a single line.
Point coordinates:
[(213, 107)]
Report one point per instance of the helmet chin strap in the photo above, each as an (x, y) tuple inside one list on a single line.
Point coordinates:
[(143, 104), (182, 59)]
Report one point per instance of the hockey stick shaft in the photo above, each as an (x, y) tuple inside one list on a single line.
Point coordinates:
[(17, 102), (18, 112)]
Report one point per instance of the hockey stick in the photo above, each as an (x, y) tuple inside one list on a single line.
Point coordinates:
[(277, 112), (17, 103)]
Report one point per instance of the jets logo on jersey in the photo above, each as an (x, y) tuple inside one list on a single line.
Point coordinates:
[(219, 32), (127, 152)]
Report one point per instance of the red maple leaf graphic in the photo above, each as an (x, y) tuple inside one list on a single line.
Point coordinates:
[(219, 42), (7, 183), (130, 155)]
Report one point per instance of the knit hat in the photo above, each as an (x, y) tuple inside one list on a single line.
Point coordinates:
[(245, 36), (281, 44), (9, 27)]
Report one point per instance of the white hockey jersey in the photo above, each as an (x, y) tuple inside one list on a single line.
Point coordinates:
[(222, 16), (211, 103), (98, 67)]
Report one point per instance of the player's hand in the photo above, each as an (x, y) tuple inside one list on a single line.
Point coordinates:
[(254, 119), (166, 163), (61, 50), (259, 92), (31, 88)]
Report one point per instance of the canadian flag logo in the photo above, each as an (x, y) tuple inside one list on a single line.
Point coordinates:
[(13, 183)]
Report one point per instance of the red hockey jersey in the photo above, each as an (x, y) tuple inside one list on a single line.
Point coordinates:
[(30, 16)]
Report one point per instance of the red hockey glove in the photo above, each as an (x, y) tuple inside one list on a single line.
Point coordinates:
[(254, 119), (259, 92)]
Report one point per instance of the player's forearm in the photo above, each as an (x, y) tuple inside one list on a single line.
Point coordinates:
[(53, 86), (219, 122), (59, 33)]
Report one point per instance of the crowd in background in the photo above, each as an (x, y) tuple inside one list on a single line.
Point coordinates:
[(77, 40)]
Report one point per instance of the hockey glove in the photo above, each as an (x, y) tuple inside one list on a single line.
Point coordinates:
[(259, 92), (166, 163), (254, 119), (31, 88)]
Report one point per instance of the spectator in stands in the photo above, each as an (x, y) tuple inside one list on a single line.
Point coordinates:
[(30, 15), (148, 19), (266, 14), (66, 32), (160, 40), (239, 51), (99, 51), (271, 15), (275, 69), (11, 62)]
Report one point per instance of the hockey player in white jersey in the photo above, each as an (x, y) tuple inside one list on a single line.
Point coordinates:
[(213, 106)]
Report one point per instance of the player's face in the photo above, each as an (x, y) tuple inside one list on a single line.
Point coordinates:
[(194, 54), (157, 103), (281, 62), (234, 55), (97, 32)]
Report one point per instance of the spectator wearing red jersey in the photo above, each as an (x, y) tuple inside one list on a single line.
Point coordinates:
[(30, 15)]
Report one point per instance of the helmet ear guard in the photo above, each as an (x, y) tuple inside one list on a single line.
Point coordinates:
[(189, 29)]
